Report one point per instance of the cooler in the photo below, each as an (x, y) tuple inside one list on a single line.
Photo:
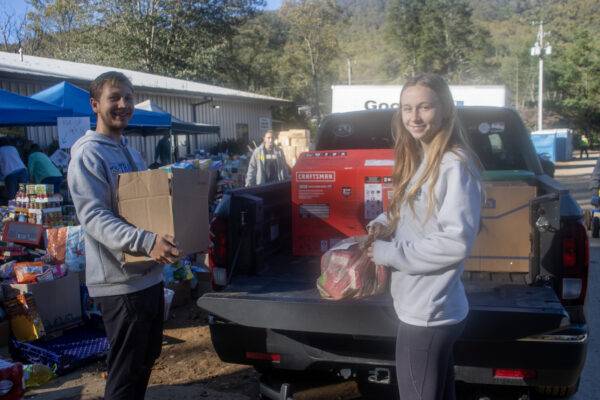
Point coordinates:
[(335, 194)]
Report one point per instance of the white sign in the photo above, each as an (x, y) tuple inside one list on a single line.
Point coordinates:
[(264, 124), (371, 97), (70, 129)]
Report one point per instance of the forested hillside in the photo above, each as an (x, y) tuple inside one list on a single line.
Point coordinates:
[(300, 50)]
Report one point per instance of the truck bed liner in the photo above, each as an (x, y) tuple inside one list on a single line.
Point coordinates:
[(283, 296)]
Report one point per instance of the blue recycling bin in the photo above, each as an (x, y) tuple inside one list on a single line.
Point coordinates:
[(554, 144)]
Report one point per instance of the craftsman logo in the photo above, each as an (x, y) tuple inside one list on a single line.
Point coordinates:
[(328, 176)]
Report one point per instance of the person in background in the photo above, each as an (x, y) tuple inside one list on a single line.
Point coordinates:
[(433, 219), (42, 169), (162, 153), (584, 145), (12, 168), (267, 163), (131, 298)]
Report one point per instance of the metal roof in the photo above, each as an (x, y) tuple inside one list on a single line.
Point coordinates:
[(50, 67)]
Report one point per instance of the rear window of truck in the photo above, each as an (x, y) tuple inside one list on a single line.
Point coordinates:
[(495, 134)]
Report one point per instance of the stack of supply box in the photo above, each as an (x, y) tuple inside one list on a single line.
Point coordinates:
[(294, 142), (37, 204)]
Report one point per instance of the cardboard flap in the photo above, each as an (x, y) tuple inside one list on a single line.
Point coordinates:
[(139, 185), (190, 208), (145, 200)]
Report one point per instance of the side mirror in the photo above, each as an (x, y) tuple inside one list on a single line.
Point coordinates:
[(547, 166)]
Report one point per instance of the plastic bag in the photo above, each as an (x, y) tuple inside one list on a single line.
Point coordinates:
[(56, 243), (347, 272), (75, 249), (37, 375)]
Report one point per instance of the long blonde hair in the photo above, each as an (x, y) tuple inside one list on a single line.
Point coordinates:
[(409, 152)]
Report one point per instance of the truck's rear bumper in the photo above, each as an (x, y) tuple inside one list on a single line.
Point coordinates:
[(556, 359)]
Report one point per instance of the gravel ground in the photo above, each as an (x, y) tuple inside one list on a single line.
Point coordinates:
[(189, 368)]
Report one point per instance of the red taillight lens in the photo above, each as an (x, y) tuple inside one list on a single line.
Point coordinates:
[(576, 260), (217, 252), (519, 373), (273, 357), (569, 255)]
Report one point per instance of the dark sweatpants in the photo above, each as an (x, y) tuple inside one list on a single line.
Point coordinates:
[(134, 324), (424, 361)]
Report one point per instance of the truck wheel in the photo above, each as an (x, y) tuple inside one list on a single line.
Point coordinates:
[(558, 391), (596, 227)]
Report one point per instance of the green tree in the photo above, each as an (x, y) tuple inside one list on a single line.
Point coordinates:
[(311, 50), (438, 36), (573, 81)]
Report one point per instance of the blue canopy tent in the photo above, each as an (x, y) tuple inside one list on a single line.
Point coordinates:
[(16, 110), (72, 97)]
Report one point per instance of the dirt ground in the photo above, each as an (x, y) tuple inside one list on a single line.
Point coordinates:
[(188, 368)]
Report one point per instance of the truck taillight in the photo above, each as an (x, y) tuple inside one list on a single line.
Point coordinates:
[(575, 261), (217, 252)]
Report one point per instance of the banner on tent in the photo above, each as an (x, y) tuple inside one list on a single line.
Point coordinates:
[(70, 129)]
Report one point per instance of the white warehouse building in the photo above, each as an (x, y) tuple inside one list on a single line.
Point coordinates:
[(238, 114)]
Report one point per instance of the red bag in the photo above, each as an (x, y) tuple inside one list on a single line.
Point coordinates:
[(347, 272)]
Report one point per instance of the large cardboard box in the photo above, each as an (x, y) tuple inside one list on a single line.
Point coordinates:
[(503, 243), (58, 302), (174, 203)]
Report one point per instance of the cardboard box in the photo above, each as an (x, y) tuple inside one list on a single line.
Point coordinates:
[(504, 243), (58, 302), (301, 142), (174, 203), (295, 134)]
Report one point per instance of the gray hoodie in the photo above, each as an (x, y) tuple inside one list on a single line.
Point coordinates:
[(427, 256), (96, 162)]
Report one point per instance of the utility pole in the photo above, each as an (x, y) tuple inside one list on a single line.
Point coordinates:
[(541, 49)]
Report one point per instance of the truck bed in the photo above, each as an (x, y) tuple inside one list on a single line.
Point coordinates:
[(283, 296)]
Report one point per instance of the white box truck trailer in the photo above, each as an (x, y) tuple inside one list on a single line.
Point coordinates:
[(365, 97)]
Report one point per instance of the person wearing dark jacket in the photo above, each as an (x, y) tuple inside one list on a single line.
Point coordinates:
[(130, 298)]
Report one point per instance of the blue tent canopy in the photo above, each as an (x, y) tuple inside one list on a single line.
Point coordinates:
[(73, 97), (16, 110)]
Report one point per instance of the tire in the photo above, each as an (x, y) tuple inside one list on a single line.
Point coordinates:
[(558, 391), (596, 227)]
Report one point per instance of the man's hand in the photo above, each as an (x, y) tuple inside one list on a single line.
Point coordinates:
[(165, 249)]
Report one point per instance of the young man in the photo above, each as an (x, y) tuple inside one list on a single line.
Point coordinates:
[(267, 163), (131, 298), (162, 153)]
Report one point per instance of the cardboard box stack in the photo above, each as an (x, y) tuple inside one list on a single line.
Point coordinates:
[(294, 142)]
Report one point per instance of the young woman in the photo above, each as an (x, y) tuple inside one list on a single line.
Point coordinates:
[(433, 220)]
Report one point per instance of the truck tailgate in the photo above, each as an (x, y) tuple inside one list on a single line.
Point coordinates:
[(284, 297)]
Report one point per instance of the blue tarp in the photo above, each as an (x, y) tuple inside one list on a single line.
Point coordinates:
[(73, 97), (16, 110)]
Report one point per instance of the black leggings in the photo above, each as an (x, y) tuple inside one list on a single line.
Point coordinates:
[(424, 361)]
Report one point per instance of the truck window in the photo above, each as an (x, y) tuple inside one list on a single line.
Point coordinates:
[(496, 135)]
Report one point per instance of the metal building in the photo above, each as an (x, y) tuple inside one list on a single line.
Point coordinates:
[(239, 114)]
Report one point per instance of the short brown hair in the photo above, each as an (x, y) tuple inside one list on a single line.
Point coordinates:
[(112, 77)]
